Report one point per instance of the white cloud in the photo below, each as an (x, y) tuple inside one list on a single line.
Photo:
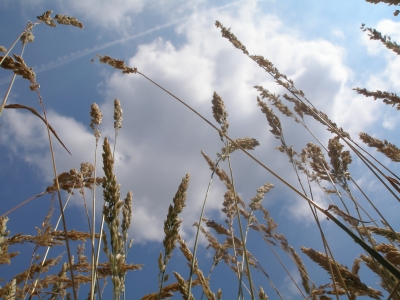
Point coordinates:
[(338, 33), (161, 140)]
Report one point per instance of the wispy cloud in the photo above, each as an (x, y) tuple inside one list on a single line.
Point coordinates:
[(66, 59)]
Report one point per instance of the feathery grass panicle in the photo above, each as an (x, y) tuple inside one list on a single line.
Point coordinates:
[(385, 40), (171, 228), (379, 270), (61, 19), (388, 98), (183, 287), (97, 117), (272, 119), (19, 67), (226, 33), (111, 210), (340, 160), (65, 20), (390, 2), (189, 257), (220, 114), (275, 101), (47, 19), (166, 291), (245, 143), (262, 295), (27, 37), (255, 202), (3, 49), (76, 180), (116, 63), (352, 281), (388, 149), (117, 115), (5, 256), (126, 215), (318, 162), (172, 223), (392, 253), (386, 232), (305, 280)]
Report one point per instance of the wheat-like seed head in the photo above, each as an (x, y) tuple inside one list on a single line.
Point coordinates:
[(117, 115), (172, 223), (126, 215), (46, 18), (183, 286), (65, 20), (27, 37), (220, 114), (245, 143), (116, 63), (97, 117), (256, 200), (19, 67)]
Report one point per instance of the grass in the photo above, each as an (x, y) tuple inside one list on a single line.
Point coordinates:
[(318, 168)]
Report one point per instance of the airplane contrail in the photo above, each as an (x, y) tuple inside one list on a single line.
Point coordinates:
[(80, 53)]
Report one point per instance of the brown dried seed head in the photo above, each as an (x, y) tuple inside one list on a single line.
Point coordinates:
[(116, 63), (3, 49), (126, 215), (47, 18), (65, 20), (117, 114), (256, 200), (27, 37), (245, 143), (97, 117)]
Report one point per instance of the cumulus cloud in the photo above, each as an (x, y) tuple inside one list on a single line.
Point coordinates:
[(161, 139)]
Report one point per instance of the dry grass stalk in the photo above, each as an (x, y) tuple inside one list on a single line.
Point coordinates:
[(189, 257), (5, 256), (245, 143), (27, 37), (220, 114), (171, 228), (97, 117), (273, 120), (392, 253), (305, 280), (183, 287), (351, 280), (76, 180), (387, 233), (275, 101), (61, 19), (376, 35), (388, 98), (262, 295), (378, 269), (117, 115), (388, 149), (19, 67), (167, 291), (111, 211), (34, 111), (116, 63), (340, 160)]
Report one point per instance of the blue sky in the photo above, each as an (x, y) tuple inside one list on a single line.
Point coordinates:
[(176, 44)]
